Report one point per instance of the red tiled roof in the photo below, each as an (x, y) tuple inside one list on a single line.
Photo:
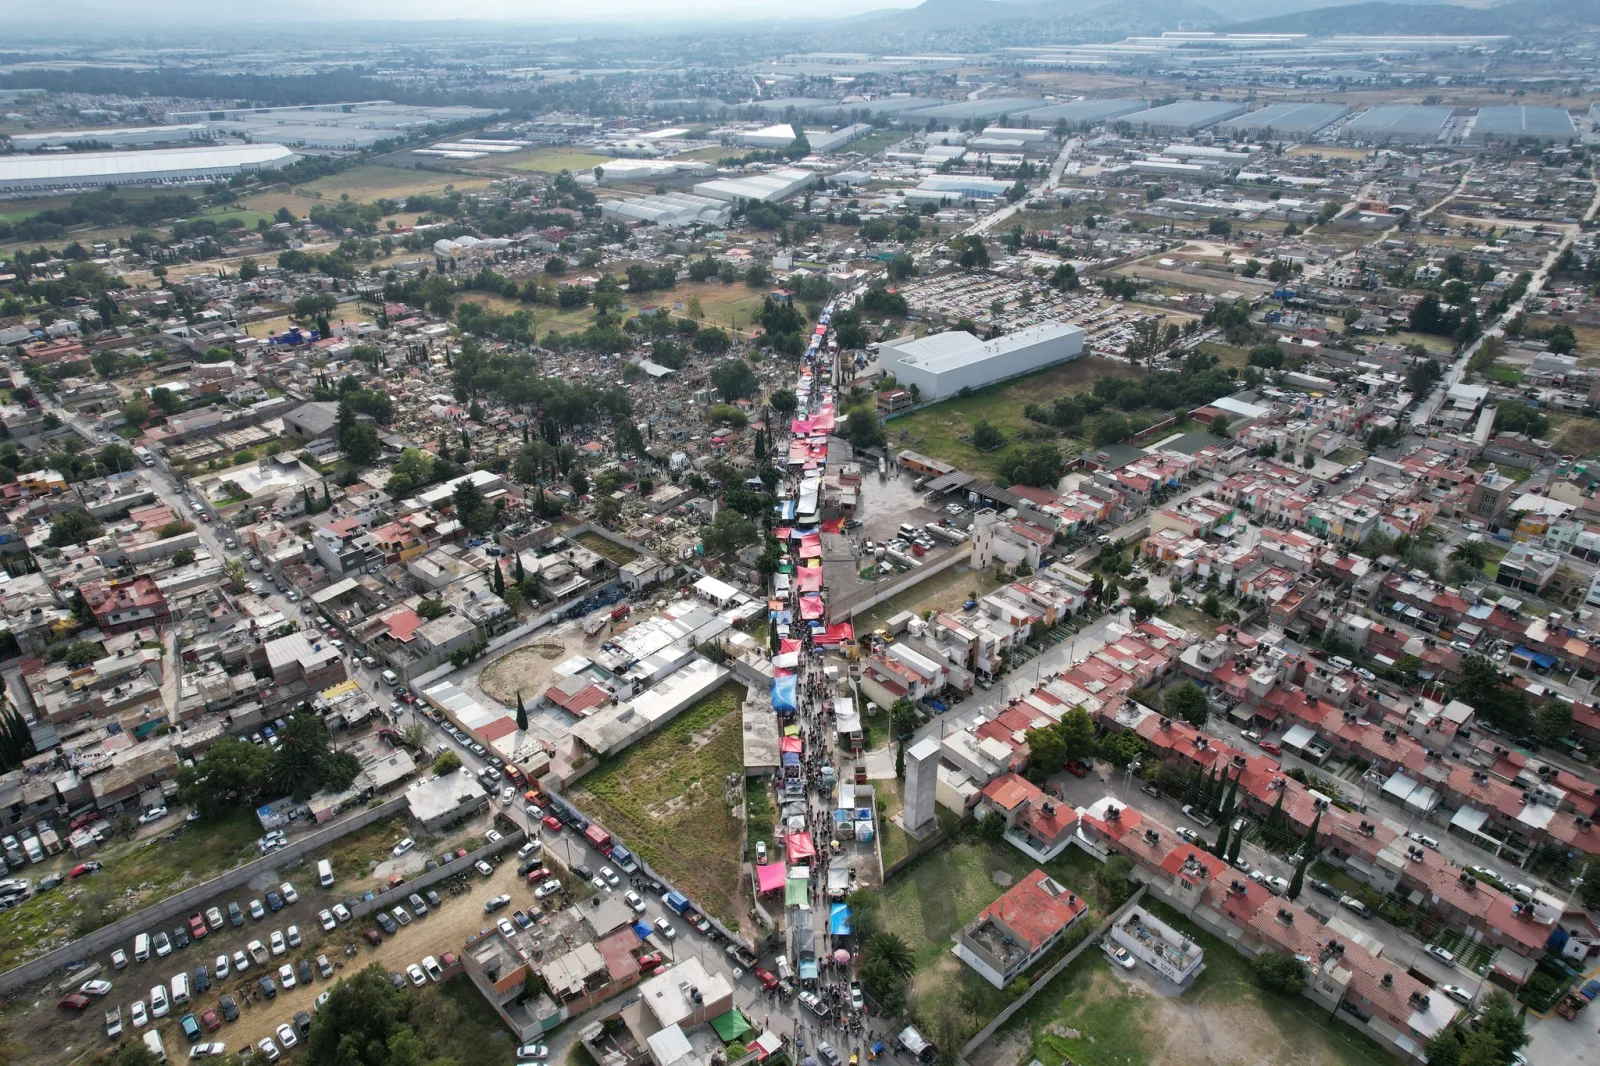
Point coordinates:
[(498, 728), (1009, 791), (1034, 913), (403, 624)]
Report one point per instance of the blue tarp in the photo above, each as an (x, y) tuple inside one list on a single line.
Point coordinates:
[(1538, 658), (787, 508), (791, 758), (641, 930), (839, 919), (808, 969), (783, 694)]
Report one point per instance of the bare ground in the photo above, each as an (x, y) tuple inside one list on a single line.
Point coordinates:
[(528, 669)]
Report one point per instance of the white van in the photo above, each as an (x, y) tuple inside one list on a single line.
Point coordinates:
[(141, 947), (152, 1043), (180, 990), (390, 677), (325, 873)]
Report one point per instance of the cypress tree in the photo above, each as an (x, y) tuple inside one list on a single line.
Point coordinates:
[(1233, 849), (499, 580), (1275, 818), (519, 573), (522, 713)]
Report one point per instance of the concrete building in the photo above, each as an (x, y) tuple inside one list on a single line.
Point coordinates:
[(922, 768), (1159, 946), (833, 140), (65, 172), (1012, 933), (441, 801), (1185, 116), (942, 364), (781, 135), (670, 211)]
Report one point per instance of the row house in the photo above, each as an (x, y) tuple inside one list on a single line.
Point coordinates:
[(1194, 517), (1182, 552), (1436, 610), (1010, 541)]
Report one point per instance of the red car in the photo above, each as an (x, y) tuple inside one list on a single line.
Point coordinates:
[(538, 874), (82, 869), (1271, 748), (647, 962), (768, 979), (197, 926), (1075, 768), (210, 1020), (76, 1001), (552, 823), (374, 937)]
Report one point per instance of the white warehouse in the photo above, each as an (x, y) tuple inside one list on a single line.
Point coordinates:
[(118, 138), (942, 364), (22, 174), (671, 211), (766, 188)]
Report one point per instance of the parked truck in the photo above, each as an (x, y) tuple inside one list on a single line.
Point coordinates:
[(677, 901), (624, 859), (599, 838)]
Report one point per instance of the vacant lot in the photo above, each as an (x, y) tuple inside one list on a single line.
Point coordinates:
[(928, 901), (528, 669), (944, 591), (667, 799), (551, 160), (1097, 1016), (937, 430), (136, 874), (1574, 434), (364, 183), (610, 549)]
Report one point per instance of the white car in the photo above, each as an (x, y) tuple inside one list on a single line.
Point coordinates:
[(549, 888), (294, 936), (341, 912), (431, 967), (220, 969), (95, 988), (492, 836), (1187, 834), (241, 962), (202, 1051), (214, 918), (138, 1015), (268, 1049), (286, 890), (664, 927), (257, 911), (154, 814), (414, 972), (286, 1036), (119, 959), (277, 942), (530, 848), (533, 1051), (286, 976), (506, 928), (634, 901), (611, 876), (1120, 955), (1457, 993), (159, 1004), (325, 919), (404, 846)]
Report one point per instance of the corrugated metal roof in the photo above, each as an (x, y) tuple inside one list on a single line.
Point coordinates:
[(89, 165)]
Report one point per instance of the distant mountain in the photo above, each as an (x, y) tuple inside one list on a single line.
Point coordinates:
[(1052, 16), (1519, 17)]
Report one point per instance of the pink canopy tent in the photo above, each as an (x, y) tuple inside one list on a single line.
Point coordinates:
[(794, 744), (809, 579), (771, 877), (800, 846), (812, 607), (836, 634), (788, 645)]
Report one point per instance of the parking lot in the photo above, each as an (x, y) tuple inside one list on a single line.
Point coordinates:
[(361, 861)]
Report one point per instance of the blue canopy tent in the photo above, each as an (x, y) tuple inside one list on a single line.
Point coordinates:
[(641, 930), (783, 694), (839, 919)]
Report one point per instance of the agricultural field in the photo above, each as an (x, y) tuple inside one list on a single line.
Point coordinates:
[(1095, 1015), (364, 183), (937, 430), (666, 796)]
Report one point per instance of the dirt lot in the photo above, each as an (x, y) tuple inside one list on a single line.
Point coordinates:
[(528, 669)]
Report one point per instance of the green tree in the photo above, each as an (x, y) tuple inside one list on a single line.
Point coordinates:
[(83, 652), (733, 378), (74, 527), (447, 763), (360, 443), (1278, 971), (1120, 749), (893, 952), (1077, 734), (522, 713), (1111, 878), (1046, 752), (728, 533), (1187, 701), (1220, 849), (1553, 721), (470, 507), (298, 765), (16, 740)]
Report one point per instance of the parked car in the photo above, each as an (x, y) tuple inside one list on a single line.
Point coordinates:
[(414, 972), (664, 927), (533, 1051), (549, 888), (404, 846), (288, 892), (1444, 956), (1457, 993), (325, 919), (229, 1009), (1076, 768)]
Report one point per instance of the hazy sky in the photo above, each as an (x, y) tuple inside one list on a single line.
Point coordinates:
[(210, 12)]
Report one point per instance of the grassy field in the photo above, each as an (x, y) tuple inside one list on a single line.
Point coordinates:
[(893, 842), (944, 591), (733, 307), (1574, 434), (1442, 345), (936, 430), (1227, 355), (135, 873), (873, 143), (611, 550), (1095, 1016), (365, 183), (1195, 621), (551, 160), (932, 898), (664, 797)]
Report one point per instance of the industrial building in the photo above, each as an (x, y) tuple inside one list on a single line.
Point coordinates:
[(942, 364), (21, 175), (832, 141), (1548, 124), (1185, 116), (1402, 123), (779, 136), (993, 108), (119, 138), (765, 188), (1285, 121), (338, 126), (937, 188), (1080, 112), (670, 211), (618, 171)]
